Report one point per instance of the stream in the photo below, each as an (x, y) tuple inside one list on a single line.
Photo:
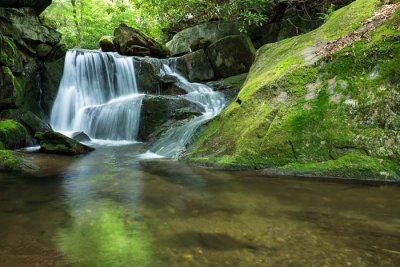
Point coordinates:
[(110, 208)]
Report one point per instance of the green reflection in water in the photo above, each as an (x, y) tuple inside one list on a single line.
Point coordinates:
[(105, 237)]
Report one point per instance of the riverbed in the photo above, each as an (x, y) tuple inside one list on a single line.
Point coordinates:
[(114, 208)]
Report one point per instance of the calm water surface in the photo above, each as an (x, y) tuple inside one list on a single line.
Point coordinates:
[(111, 209)]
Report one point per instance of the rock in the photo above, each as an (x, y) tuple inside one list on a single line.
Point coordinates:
[(231, 55), (34, 123), (196, 66), (9, 86), (230, 86), (38, 5), (54, 142), (50, 78), (9, 55), (58, 51), (168, 79), (13, 135), (81, 137), (157, 110), (201, 43), (24, 25), (107, 44), (132, 42), (147, 75), (43, 50), (213, 31), (12, 161)]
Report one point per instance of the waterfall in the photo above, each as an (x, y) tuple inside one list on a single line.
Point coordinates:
[(173, 142), (98, 94)]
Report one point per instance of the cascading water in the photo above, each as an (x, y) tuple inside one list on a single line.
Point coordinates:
[(98, 94), (173, 142)]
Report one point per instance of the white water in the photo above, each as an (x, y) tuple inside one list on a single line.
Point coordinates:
[(173, 142), (98, 94)]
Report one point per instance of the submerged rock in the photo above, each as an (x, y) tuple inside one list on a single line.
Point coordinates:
[(54, 142), (157, 110), (129, 41), (231, 55)]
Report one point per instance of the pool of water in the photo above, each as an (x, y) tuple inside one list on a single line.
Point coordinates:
[(110, 208)]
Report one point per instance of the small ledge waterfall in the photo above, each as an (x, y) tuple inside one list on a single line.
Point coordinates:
[(99, 95)]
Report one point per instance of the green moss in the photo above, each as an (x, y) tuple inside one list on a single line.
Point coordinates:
[(9, 160), (353, 165), (295, 110), (12, 134)]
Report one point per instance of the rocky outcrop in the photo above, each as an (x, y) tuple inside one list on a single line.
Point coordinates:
[(338, 118), (28, 52), (38, 5), (213, 31), (129, 41), (57, 143), (158, 110), (231, 55)]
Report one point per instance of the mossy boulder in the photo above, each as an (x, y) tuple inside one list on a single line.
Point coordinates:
[(9, 55), (34, 123), (11, 161), (57, 143), (200, 43), (10, 89), (107, 44), (13, 135), (132, 42), (196, 66), (231, 55), (157, 110), (332, 116)]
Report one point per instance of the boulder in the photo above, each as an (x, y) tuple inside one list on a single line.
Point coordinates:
[(231, 55), (13, 135), (196, 66), (230, 86), (147, 75), (132, 42), (43, 50), (157, 110), (12, 161), (201, 43), (107, 44), (57, 143), (38, 5), (213, 31), (34, 123), (81, 137)]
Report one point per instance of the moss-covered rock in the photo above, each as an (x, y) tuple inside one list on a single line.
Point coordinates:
[(42, 50), (297, 111), (132, 42), (9, 54), (13, 161), (231, 55), (107, 44), (54, 142), (13, 134)]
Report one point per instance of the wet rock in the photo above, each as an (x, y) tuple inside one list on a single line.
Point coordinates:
[(34, 123), (196, 66), (11, 161), (107, 44), (157, 110), (132, 42), (50, 77), (213, 31), (147, 76), (230, 86), (54, 142), (201, 43), (231, 55), (9, 55), (81, 137)]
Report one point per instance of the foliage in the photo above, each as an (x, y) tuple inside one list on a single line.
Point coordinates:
[(84, 22)]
